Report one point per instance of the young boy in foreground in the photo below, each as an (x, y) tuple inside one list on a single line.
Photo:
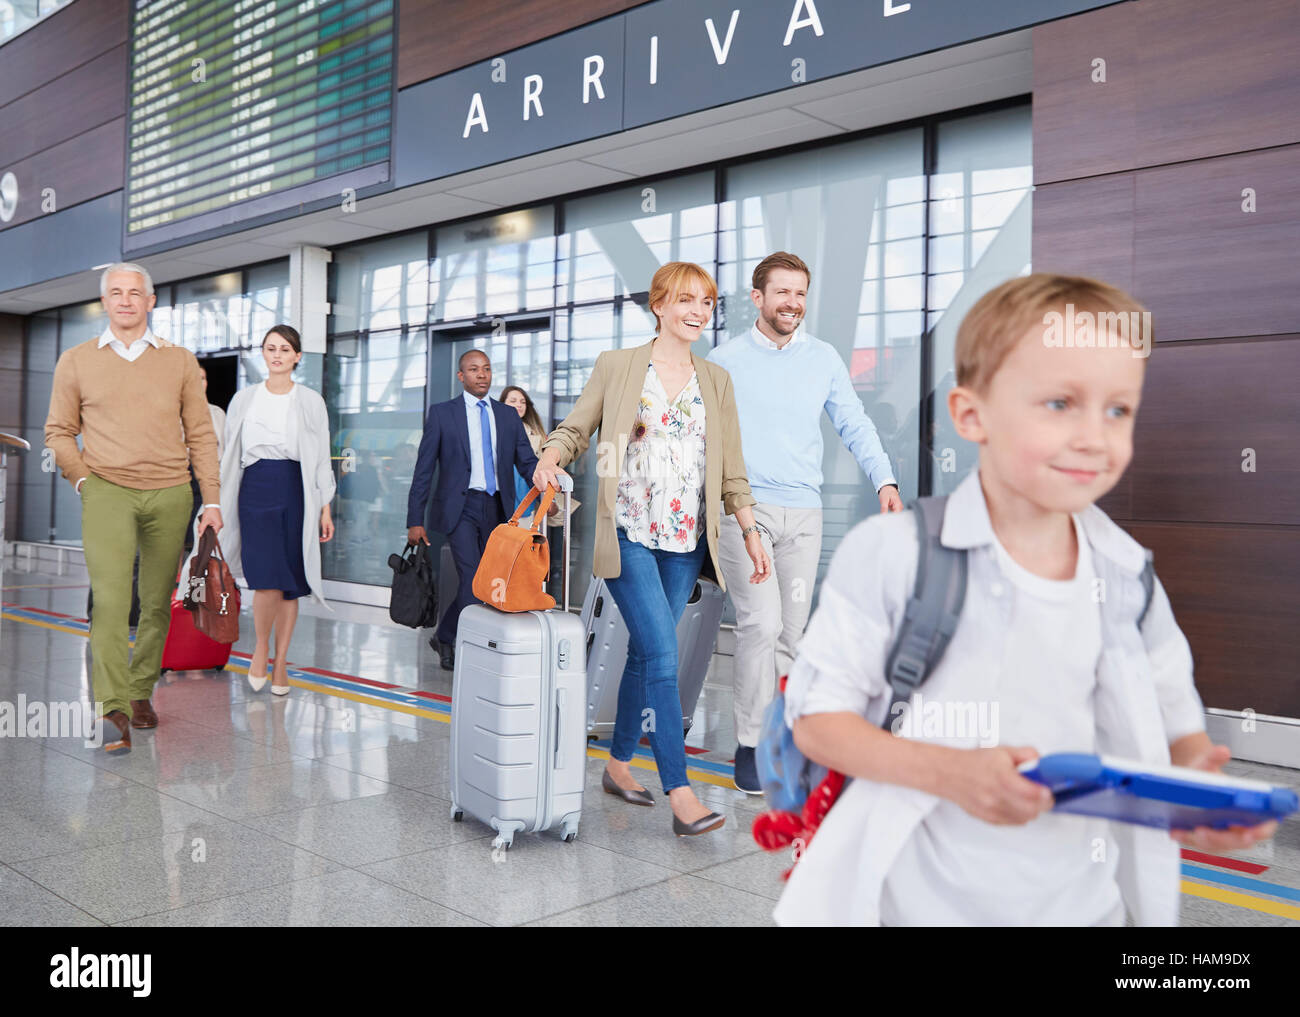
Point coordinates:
[(937, 830)]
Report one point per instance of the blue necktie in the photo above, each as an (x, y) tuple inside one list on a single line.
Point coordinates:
[(489, 464)]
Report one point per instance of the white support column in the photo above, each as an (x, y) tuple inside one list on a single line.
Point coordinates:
[(308, 276)]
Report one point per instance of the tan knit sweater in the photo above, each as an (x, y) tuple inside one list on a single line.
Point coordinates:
[(126, 414)]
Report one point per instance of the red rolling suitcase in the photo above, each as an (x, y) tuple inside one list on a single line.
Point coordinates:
[(188, 649)]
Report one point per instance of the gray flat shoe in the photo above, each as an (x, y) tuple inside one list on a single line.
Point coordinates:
[(710, 822), (631, 797)]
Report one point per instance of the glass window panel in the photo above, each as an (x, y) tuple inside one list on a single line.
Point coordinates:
[(374, 391), (35, 492), (622, 236), (982, 189), (212, 313), (904, 221), (500, 264), (381, 284), (823, 204)]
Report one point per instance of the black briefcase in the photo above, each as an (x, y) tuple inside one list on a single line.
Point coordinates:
[(415, 600)]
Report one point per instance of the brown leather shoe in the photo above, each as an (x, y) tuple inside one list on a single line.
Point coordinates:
[(142, 714), (116, 733)]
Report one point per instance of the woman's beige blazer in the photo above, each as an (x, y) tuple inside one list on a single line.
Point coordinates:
[(609, 402)]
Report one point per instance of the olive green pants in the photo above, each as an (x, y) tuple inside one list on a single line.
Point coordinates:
[(115, 521)]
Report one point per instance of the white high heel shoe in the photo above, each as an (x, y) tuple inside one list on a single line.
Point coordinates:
[(257, 682), (280, 690)]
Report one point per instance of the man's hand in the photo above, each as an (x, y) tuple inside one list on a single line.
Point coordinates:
[(1211, 758), (416, 535), (211, 517), (890, 500), (758, 555)]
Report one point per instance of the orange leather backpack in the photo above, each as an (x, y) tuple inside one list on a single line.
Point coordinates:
[(516, 562)]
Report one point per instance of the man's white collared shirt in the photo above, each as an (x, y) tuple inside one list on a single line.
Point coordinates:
[(130, 353), (767, 344), (477, 474)]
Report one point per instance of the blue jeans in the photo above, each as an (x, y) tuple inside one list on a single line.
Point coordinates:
[(651, 591)]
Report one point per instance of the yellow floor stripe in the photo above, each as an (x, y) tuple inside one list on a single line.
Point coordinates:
[(1241, 900)]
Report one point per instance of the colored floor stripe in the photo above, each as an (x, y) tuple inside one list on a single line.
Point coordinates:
[(1241, 900), (1241, 882), (1254, 868)]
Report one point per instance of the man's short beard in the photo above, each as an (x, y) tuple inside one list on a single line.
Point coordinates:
[(776, 325)]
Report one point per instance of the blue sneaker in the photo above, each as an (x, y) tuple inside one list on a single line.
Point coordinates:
[(746, 771)]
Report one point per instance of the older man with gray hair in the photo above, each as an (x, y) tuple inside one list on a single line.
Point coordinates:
[(124, 393)]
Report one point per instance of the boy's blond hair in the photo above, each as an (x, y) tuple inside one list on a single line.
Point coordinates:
[(1001, 318)]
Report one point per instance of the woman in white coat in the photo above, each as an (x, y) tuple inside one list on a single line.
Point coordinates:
[(276, 488)]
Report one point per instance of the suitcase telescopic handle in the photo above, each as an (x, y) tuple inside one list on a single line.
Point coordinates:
[(565, 484)]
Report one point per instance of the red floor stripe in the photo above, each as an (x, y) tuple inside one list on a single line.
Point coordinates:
[(1224, 863)]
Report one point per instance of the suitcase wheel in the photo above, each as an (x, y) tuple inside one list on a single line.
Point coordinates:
[(569, 838), (501, 844), (457, 816)]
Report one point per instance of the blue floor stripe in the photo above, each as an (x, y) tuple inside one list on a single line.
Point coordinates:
[(1241, 882)]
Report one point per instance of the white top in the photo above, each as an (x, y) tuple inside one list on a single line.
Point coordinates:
[(271, 426), (662, 484), (1143, 699), (218, 416), (761, 340), (130, 353), (1059, 869), (474, 421)]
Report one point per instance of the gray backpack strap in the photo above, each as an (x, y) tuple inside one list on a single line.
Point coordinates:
[(1148, 579), (934, 609)]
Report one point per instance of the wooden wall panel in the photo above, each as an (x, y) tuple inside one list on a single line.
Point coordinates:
[(437, 36), (1204, 403), (1082, 127), (78, 169), (1085, 227), (1139, 181), (66, 107), (62, 42), (1216, 77), (1185, 79), (1235, 595), (1205, 267)]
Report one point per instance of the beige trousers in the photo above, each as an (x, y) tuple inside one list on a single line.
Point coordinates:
[(770, 616)]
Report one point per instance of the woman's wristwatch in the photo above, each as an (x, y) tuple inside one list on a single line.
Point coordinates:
[(753, 528)]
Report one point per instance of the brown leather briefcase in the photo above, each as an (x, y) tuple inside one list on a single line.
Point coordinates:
[(212, 596)]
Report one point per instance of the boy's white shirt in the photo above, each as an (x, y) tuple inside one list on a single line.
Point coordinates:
[(1144, 700)]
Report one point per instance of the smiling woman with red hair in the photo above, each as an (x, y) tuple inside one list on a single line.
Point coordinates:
[(657, 517)]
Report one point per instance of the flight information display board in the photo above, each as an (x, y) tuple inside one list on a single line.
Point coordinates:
[(234, 101)]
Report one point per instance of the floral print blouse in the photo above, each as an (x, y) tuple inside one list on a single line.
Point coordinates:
[(661, 490)]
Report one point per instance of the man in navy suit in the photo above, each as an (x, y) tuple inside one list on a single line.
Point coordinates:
[(477, 443)]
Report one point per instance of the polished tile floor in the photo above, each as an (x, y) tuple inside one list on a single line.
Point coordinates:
[(331, 807)]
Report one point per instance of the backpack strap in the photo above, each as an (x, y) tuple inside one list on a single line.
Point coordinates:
[(1148, 579), (934, 609)]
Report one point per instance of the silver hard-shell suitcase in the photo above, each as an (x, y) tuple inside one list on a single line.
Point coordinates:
[(518, 706), (606, 634)]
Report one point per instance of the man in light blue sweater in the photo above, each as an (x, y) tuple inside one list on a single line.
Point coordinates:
[(783, 380)]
